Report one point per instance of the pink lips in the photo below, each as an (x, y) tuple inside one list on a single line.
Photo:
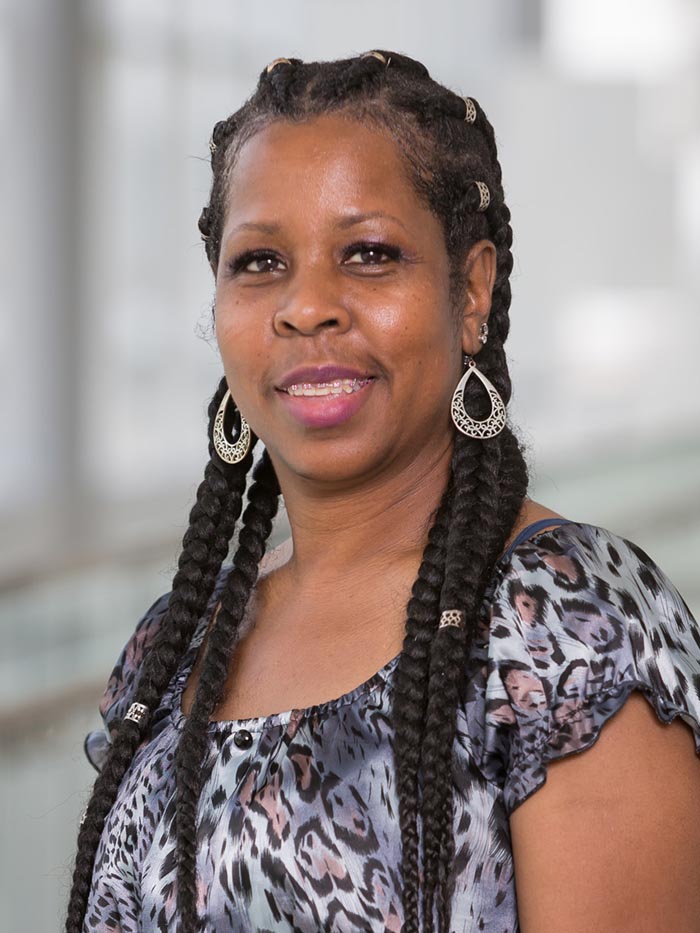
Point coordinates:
[(316, 374), (326, 411)]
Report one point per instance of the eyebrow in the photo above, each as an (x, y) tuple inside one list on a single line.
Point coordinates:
[(350, 220)]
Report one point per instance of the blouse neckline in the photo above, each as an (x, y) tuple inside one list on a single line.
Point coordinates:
[(257, 724)]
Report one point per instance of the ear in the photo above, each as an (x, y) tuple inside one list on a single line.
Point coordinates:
[(479, 279)]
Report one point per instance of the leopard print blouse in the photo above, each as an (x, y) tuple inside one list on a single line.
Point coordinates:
[(298, 818)]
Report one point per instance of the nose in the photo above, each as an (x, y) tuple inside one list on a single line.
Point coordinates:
[(313, 303)]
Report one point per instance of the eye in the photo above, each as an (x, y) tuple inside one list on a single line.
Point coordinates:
[(255, 262), (371, 254)]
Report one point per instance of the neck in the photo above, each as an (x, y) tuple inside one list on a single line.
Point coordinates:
[(379, 527)]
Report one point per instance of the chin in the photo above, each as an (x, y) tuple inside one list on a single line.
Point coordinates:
[(328, 464)]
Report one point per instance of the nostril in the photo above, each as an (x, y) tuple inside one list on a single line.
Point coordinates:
[(308, 319)]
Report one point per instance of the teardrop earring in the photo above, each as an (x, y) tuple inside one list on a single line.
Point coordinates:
[(230, 452), (488, 427)]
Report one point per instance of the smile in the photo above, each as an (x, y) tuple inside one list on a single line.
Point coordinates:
[(325, 404), (337, 387)]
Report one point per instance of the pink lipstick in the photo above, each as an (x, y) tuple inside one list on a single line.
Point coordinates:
[(325, 396)]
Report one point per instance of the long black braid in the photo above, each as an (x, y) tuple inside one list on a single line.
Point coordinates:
[(218, 505), (445, 155), (263, 500)]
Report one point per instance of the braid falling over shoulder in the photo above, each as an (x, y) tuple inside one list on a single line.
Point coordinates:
[(263, 501), (213, 517)]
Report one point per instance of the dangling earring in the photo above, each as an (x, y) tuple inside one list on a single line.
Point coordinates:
[(230, 453), (490, 426)]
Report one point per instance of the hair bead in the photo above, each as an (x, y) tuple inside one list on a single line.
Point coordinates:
[(470, 113), (484, 195), (277, 61), (217, 135), (378, 56), (452, 617), (137, 713)]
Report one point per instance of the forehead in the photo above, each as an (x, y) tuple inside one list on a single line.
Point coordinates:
[(329, 161)]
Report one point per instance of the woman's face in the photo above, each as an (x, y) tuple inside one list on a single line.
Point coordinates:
[(329, 259)]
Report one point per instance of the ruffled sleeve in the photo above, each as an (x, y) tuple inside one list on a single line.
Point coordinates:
[(120, 689), (580, 618)]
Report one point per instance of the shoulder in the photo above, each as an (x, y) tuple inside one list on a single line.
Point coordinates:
[(122, 680), (565, 578), (579, 618), (121, 686), (600, 655), (124, 677)]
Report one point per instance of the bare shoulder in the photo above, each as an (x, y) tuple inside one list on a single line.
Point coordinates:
[(530, 512), (535, 511), (615, 831)]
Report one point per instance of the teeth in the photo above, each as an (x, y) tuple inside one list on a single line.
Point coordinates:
[(337, 387)]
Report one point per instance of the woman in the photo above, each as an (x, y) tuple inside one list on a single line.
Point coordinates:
[(360, 243)]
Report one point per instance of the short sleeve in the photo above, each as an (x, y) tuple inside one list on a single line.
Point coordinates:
[(580, 619), (120, 689)]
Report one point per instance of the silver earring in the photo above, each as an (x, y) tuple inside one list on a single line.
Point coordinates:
[(490, 426), (230, 453), (484, 332)]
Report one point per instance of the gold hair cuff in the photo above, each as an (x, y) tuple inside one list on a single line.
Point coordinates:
[(452, 617), (277, 61), (378, 55), (470, 115)]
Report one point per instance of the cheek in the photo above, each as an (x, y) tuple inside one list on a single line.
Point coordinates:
[(424, 330), (418, 307), (431, 345), (227, 320), (241, 351), (227, 333), (238, 332)]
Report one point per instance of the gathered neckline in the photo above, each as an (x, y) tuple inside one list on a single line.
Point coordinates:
[(257, 724)]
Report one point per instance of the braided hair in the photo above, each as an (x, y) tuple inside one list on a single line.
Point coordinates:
[(448, 145)]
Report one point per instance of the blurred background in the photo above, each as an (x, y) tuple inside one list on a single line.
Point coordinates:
[(107, 360)]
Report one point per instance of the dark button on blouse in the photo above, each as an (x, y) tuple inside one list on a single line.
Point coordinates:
[(243, 738)]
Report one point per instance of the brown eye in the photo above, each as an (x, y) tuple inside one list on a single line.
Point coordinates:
[(256, 263), (262, 264), (371, 254)]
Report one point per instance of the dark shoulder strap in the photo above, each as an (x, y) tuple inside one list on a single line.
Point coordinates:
[(533, 528)]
